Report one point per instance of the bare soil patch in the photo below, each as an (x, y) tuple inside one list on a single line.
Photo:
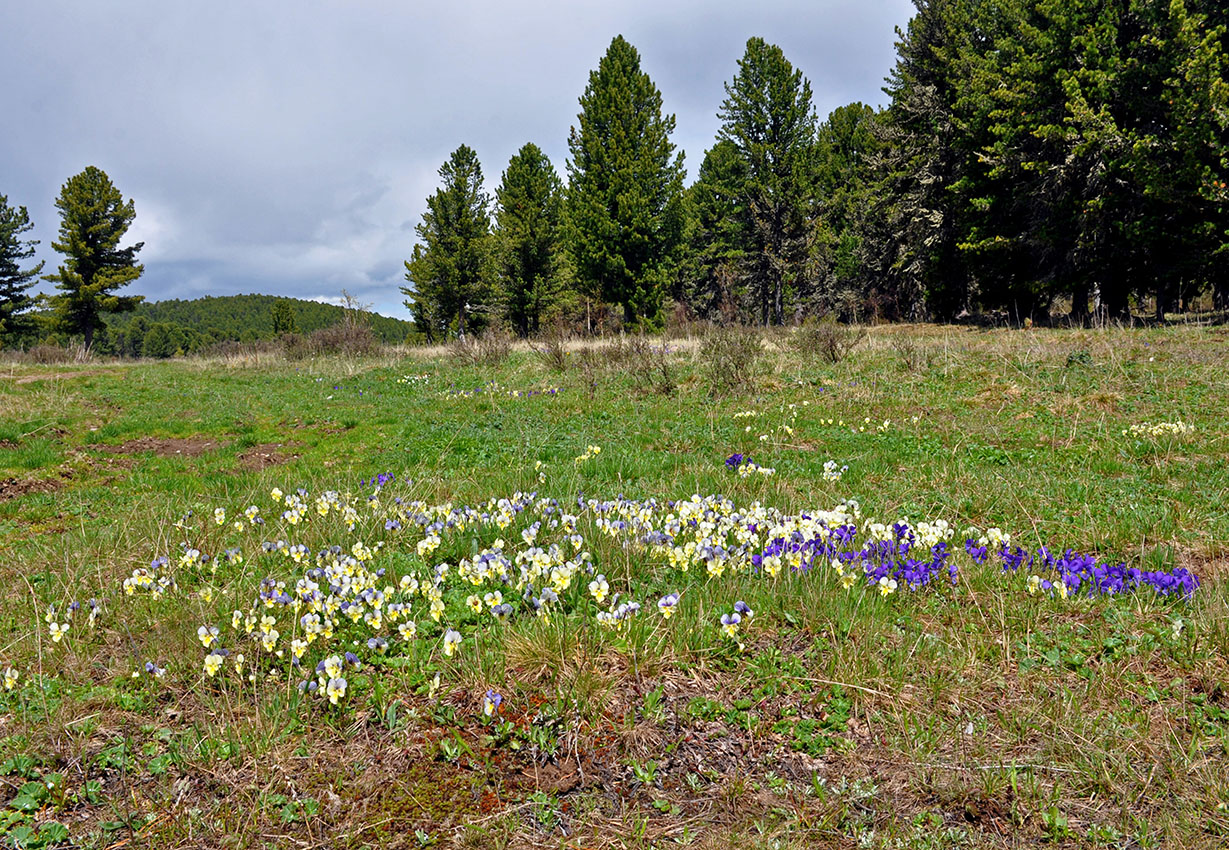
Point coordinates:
[(163, 446), (264, 456), (11, 488)]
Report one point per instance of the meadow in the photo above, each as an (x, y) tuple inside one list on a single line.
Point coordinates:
[(954, 588)]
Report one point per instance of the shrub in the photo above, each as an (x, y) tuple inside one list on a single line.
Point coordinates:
[(551, 348), (348, 338), (647, 363), (829, 339), (295, 346), (730, 358), (912, 355), (49, 355), (490, 348)]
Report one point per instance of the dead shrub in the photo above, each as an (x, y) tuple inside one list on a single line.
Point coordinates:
[(648, 364), (551, 348), (590, 361), (294, 346), (912, 355), (490, 348), (730, 359), (347, 338), (828, 338), (45, 354)]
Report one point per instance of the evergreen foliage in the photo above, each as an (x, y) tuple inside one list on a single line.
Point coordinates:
[(625, 214), (847, 147), (768, 117), (528, 263), (93, 220), (283, 317), (716, 244), (1038, 150), (449, 270), (15, 281)]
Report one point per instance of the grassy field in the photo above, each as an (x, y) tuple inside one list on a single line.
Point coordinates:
[(492, 604)]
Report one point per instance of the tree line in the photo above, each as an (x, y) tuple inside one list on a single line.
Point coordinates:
[(1036, 155)]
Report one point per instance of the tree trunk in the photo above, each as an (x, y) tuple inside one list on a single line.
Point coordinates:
[(1079, 304)]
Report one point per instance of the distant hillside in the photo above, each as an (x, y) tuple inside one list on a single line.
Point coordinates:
[(250, 317)]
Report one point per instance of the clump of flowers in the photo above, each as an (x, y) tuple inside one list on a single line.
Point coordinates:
[(832, 472), (589, 452), (362, 571), (1159, 429), (493, 388), (746, 467)]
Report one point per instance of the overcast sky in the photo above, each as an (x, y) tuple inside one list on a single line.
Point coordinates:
[(289, 147)]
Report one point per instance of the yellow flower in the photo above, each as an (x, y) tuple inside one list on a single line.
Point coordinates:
[(213, 663)]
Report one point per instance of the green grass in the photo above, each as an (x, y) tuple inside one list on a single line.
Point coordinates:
[(955, 716)]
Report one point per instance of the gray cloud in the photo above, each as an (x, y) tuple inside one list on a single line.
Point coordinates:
[(288, 147)]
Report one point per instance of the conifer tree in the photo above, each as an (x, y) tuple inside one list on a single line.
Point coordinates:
[(717, 201), (624, 206), (93, 220), (283, 317), (449, 268), (768, 117), (527, 215), (15, 281)]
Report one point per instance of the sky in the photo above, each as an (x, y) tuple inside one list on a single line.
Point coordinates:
[(289, 147)]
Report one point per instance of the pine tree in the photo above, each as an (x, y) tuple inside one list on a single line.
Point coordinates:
[(846, 148), (768, 117), (527, 237), (283, 317), (914, 228), (624, 203), (449, 269), (717, 239), (93, 220), (14, 280)]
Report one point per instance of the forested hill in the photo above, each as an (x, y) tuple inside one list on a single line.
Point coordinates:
[(250, 317)]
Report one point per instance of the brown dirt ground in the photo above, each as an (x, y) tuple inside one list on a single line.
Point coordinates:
[(264, 456), (11, 488), (163, 446)]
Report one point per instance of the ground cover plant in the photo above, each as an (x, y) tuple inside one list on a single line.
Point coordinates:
[(972, 597)]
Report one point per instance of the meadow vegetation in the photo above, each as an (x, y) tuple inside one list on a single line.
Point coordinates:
[(918, 587)]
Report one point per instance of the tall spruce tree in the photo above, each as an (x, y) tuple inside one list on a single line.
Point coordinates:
[(914, 227), (769, 118), (846, 148), (625, 211), (449, 270), (717, 243), (93, 220), (527, 239), (15, 281)]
